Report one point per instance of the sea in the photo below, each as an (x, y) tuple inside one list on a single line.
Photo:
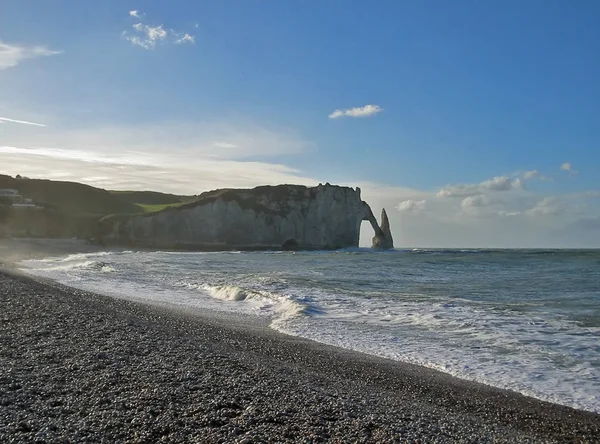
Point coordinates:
[(523, 320)]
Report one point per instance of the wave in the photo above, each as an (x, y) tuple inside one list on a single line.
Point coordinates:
[(450, 251), (230, 293), (79, 257), (280, 306), (98, 266)]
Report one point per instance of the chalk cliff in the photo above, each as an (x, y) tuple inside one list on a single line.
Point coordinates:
[(383, 239), (289, 217)]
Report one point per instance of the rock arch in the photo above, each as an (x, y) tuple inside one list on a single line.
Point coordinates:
[(382, 240)]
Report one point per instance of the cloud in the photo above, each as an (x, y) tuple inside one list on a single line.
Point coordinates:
[(11, 55), (225, 145), (211, 139), (178, 157), (168, 172), (411, 206), (534, 174), (470, 202), (545, 207), (23, 122), (501, 183), (475, 204), (148, 37), (531, 174), (186, 38), (566, 166), (509, 213), (569, 168), (365, 111), (498, 183)]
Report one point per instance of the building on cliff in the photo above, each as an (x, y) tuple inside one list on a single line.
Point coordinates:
[(289, 217)]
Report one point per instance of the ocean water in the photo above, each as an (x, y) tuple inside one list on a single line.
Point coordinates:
[(528, 321)]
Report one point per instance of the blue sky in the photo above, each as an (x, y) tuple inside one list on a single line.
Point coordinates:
[(475, 123)]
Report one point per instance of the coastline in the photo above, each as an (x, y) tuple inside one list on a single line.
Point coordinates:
[(75, 362), (17, 249)]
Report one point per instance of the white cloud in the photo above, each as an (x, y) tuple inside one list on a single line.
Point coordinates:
[(475, 201), (534, 174), (472, 204), (11, 55), (364, 111), (566, 166), (509, 213), (411, 206), (545, 207), (501, 183), (222, 140), (23, 122), (186, 38), (498, 183), (531, 174), (80, 155), (182, 157), (569, 168), (128, 157), (225, 145), (167, 172), (148, 37)]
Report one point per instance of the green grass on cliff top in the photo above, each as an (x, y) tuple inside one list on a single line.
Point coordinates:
[(152, 208)]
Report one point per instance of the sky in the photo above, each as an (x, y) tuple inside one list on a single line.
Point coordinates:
[(474, 123)]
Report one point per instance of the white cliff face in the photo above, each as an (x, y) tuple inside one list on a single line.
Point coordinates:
[(284, 216)]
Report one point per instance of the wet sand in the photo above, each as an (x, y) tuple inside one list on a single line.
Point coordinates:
[(76, 366)]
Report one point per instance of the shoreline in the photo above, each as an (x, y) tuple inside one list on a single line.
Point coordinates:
[(366, 398)]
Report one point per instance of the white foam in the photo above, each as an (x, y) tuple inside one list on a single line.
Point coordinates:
[(496, 348), (228, 292), (280, 306)]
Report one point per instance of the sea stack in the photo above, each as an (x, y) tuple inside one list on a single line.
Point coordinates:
[(383, 237)]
